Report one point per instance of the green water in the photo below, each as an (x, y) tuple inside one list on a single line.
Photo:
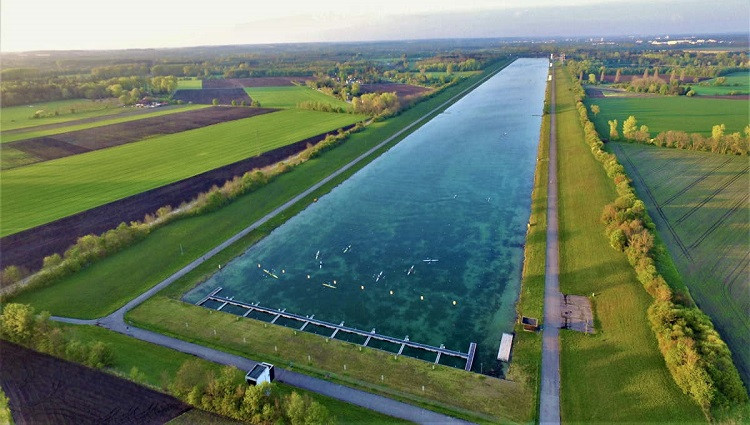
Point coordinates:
[(457, 191)]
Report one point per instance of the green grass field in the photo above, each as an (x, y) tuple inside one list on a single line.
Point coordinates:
[(193, 83), (699, 202), (662, 113), (43, 192), (130, 115), (14, 117), (736, 83), (618, 374), (159, 255), (291, 96), (155, 362)]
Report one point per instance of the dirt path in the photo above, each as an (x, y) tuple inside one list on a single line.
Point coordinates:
[(116, 320), (549, 401)]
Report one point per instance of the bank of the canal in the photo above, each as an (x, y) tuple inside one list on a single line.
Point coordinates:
[(457, 191)]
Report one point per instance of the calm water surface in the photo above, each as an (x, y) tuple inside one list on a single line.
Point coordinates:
[(456, 191)]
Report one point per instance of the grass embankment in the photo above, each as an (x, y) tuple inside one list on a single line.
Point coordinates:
[(291, 96), (75, 125), (618, 374), (159, 255), (699, 203), (156, 367), (663, 113), (527, 346), (14, 117), (43, 192)]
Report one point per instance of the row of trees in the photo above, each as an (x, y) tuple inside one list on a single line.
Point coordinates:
[(696, 356), (228, 395), (719, 142), (20, 324)]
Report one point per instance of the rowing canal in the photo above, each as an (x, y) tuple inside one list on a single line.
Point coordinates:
[(456, 192)]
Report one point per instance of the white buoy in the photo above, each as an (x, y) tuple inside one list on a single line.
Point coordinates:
[(391, 292), (454, 302), (362, 287), (421, 297)]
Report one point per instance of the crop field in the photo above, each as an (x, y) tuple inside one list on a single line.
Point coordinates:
[(42, 192), (662, 113), (189, 84), (402, 90), (92, 122), (14, 117), (81, 141), (699, 202), (207, 96), (44, 389), (291, 96), (254, 82), (618, 374), (736, 83)]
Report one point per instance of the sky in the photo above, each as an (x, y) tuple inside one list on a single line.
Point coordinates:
[(108, 24)]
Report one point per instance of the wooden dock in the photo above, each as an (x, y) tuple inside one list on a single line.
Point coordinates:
[(336, 328)]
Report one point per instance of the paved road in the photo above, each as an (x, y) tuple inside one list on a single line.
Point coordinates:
[(116, 320), (549, 403)]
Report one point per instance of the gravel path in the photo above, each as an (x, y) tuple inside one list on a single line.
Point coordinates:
[(549, 403)]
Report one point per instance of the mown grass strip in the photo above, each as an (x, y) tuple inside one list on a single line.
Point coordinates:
[(619, 373), (43, 192)]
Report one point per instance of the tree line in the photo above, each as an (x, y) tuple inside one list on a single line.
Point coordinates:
[(20, 324), (719, 142), (696, 356)]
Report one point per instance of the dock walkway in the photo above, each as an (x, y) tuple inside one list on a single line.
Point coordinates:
[(336, 328)]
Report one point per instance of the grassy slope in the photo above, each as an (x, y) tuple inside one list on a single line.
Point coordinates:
[(76, 125), (154, 362), (662, 113), (619, 373), (717, 277), (527, 346), (290, 96), (738, 82), (42, 192), (158, 256), (14, 117)]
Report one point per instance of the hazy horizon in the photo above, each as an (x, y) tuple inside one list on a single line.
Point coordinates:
[(91, 25)]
